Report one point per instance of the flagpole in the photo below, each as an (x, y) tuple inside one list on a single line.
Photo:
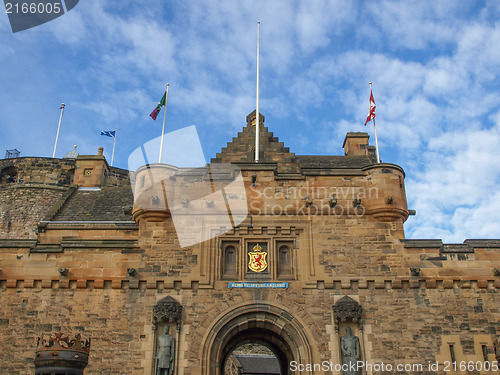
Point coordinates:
[(58, 127), (375, 129), (114, 142), (163, 128), (257, 114)]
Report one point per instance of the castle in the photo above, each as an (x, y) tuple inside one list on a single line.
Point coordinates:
[(317, 251)]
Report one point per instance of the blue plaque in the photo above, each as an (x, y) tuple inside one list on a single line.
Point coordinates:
[(244, 284)]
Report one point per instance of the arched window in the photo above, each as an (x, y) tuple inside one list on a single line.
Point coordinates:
[(284, 260), (230, 261)]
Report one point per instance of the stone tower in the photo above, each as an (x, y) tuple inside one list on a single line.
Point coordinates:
[(319, 253)]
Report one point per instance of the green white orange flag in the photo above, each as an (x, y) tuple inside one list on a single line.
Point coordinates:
[(157, 110)]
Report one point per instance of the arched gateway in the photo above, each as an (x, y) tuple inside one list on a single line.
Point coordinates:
[(261, 323), (320, 261)]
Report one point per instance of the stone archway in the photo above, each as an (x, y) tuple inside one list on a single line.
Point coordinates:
[(260, 323), (262, 336)]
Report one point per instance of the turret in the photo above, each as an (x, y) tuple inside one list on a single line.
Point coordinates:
[(387, 200), (152, 184)]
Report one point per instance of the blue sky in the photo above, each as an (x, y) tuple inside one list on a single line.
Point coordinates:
[(434, 65)]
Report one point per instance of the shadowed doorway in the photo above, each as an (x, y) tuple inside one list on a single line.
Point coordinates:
[(252, 359), (257, 323)]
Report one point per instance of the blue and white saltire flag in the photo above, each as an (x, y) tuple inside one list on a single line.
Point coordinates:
[(109, 133)]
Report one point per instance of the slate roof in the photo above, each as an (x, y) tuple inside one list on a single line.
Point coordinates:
[(112, 203), (258, 364), (332, 161), (73, 154), (241, 151)]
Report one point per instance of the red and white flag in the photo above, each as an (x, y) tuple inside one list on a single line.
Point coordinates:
[(371, 114)]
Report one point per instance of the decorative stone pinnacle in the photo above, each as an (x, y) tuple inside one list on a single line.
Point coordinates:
[(251, 118)]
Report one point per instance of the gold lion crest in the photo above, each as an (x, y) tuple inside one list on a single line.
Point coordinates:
[(257, 259)]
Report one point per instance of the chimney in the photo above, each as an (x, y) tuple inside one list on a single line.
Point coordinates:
[(356, 144), (91, 170)]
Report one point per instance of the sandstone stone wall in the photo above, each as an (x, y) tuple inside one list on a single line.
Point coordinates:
[(117, 177), (23, 206), (414, 305), (41, 188), (36, 170), (406, 325), (102, 277)]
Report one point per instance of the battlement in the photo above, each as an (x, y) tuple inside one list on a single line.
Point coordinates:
[(292, 252), (36, 171), (32, 171)]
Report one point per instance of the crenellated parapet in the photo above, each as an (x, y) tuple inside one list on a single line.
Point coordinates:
[(281, 184)]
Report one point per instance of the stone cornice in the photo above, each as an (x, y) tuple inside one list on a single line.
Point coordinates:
[(467, 246), (72, 242), (341, 285), (82, 243), (34, 185), (17, 243), (116, 225), (383, 165)]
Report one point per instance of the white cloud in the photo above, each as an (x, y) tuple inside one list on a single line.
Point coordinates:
[(478, 48), (457, 192), (434, 68), (211, 105), (480, 221), (306, 92), (317, 20), (121, 104), (70, 28), (414, 24)]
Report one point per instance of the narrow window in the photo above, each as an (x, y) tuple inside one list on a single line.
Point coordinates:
[(284, 256), (485, 352), (452, 353), (230, 260), (285, 261)]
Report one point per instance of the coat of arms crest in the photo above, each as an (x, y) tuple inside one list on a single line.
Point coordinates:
[(257, 259)]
